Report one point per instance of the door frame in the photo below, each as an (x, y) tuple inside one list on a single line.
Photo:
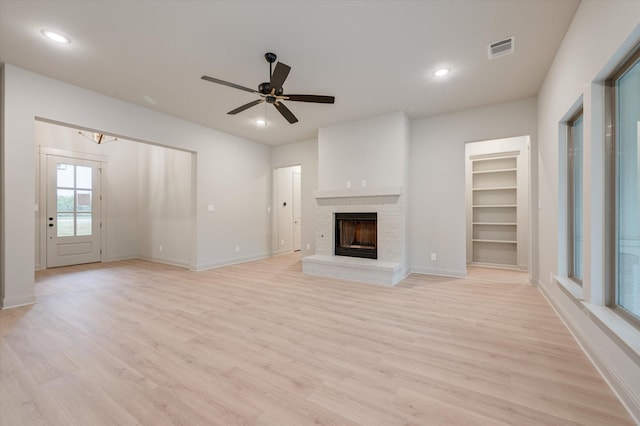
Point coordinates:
[(276, 247), (495, 147), (41, 206)]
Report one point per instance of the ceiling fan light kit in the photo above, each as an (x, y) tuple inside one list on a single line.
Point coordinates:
[(272, 92)]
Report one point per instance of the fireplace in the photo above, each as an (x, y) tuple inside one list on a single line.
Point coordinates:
[(356, 235)]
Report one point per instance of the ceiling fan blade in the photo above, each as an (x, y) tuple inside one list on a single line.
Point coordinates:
[(246, 106), (226, 83), (320, 99), (285, 112), (279, 75)]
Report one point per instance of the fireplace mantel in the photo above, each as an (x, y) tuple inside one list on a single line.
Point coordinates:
[(358, 192)]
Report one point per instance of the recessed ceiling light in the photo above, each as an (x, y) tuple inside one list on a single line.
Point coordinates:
[(441, 72), (57, 37), (261, 122)]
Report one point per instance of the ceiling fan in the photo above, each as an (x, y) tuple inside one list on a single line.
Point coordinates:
[(272, 92)]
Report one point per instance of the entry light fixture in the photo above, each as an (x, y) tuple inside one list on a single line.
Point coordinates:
[(98, 138), (260, 122), (441, 72)]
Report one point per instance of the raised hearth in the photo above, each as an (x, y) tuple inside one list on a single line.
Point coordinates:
[(388, 268)]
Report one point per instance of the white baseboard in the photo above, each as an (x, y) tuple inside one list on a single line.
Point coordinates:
[(618, 383), (451, 273), (232, 261), (164, 260), (122, 257), (14, 302)]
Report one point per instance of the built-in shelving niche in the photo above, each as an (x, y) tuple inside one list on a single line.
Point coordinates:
[(494, 208)]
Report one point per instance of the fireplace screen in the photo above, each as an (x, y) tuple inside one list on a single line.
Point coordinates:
[(356, 235)]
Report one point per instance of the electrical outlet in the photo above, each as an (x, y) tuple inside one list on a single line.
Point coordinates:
[(348, 184), (364, 183), (237, 249), (281, 242), (434, 257), (550, 277), (160, 247), (308, 246), (210, 208)]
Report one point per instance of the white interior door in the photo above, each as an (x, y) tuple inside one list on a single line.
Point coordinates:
[(73, 211), (297, 216)]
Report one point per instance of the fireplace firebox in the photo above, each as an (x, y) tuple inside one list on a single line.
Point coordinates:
[(356, 235)]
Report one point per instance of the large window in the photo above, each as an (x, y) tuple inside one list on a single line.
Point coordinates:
[(575, 201), (626, 133)]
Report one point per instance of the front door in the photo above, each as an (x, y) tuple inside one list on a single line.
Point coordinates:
[(73, 211)]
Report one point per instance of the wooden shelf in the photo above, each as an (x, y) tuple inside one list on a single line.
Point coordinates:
[(494, 241), (495, 205), (495, 188), (358, 192), (494, 171), (495, 223)]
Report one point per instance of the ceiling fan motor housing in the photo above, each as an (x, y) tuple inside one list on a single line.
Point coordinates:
[(265, 89)]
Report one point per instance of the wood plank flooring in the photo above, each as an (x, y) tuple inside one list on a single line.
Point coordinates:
[(136, 342)]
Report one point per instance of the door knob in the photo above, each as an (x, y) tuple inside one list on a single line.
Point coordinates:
[(51, 225)]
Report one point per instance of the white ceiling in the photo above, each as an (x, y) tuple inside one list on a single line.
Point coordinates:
[(373, 56)]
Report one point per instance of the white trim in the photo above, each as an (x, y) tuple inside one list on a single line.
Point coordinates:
[(72, 154), (165, 261), (358, 192), (571, 287), (14, 302), (450, 273), (602, 362), (228, 262)]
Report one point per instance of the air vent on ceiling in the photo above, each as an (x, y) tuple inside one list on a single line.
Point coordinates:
[(501, 48)]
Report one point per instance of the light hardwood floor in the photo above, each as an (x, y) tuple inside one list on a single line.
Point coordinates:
[(136, 342)]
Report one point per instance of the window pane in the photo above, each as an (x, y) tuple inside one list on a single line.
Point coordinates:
[(65, 224), (628, 190), (65, 175), (577, 197), (83, 224), (65, 200), (83, 177), (84, 200)]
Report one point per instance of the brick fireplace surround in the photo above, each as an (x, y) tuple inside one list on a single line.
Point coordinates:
[(388, 268)]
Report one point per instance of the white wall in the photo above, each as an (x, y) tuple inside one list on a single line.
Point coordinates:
[(164, 204), (437, 169), (601, 33), (232, 173), (305, 154), (372, 149), (122, 215)]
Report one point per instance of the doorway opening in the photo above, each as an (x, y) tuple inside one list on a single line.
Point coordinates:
[(119, 200), (497, 194), (288, 196)]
